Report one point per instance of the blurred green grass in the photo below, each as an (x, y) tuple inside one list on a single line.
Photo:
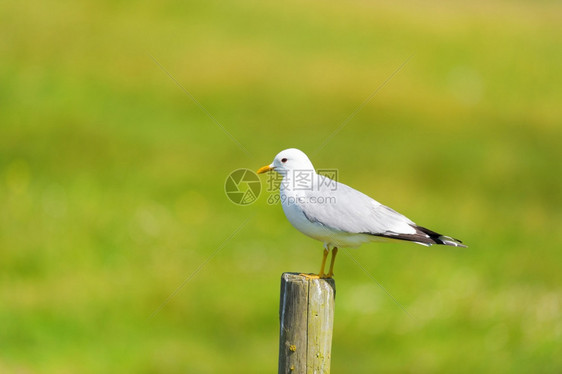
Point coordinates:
[(111, 181)]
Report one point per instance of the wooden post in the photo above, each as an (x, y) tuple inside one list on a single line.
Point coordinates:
[(306, 314)]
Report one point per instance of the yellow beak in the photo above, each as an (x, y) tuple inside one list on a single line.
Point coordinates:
[(265, 169)]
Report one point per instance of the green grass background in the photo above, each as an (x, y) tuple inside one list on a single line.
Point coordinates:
[(111, 181)]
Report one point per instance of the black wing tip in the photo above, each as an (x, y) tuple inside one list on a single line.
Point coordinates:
[(446, 240), (422, 236), (425, 237), (438, 238)]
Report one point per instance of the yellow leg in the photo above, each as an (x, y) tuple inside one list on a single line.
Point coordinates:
[(321, 274), (331, 271), (324, 257)]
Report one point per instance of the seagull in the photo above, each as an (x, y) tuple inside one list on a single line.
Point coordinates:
[(338, 215)]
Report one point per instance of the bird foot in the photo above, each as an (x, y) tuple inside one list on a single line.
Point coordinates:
[(316, 276), (310, 276)]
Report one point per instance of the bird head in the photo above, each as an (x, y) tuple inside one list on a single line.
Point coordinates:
[(288, 160)]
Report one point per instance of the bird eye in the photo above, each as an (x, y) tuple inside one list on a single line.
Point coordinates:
[(283, 160)]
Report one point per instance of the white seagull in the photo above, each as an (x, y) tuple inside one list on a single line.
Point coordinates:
[(338, 215)]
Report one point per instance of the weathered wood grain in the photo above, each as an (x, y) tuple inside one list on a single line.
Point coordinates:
[(306, 315)]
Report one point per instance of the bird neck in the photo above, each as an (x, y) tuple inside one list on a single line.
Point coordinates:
[(297, 180)]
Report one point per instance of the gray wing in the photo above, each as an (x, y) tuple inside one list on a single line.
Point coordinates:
[(343, 208)]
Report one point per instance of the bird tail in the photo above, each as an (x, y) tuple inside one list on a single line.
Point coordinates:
[(432, 237), (422, 236)]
